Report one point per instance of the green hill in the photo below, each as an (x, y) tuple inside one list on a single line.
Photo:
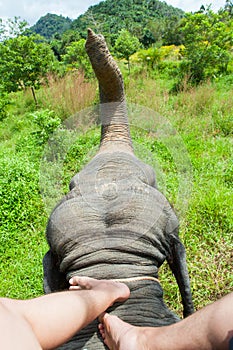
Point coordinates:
[(149, 20), (145, 19), (139, 17), (50, 25)]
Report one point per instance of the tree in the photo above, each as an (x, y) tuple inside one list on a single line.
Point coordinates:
[(208, 39), (109, 17), (12, 28), (61, 42), (126, 45), (24, 61), (76, 57), (157, 29), (229, 7)]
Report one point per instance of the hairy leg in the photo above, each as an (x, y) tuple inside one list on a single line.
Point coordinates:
[(53, 319), (207, 329)]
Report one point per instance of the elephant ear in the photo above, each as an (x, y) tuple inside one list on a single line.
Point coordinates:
[(54, 280)]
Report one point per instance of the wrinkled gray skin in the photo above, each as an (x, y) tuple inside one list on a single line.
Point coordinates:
[(114, 223)]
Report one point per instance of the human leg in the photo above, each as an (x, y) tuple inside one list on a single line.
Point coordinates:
[(56, 317), (207, 329), (16, 332)]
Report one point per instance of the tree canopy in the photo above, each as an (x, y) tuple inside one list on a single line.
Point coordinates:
[(23, 62), (25, 59), (109, 17), (50, 25), (195, 46), (208, 40), (77, 58), (126, 45)]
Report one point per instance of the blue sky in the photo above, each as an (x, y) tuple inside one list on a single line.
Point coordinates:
[(32, 10)]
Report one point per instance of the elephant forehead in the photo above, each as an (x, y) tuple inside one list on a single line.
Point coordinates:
[(123, 200), (119, 166)]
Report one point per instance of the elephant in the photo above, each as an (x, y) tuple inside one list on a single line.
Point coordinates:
[(114, 223)]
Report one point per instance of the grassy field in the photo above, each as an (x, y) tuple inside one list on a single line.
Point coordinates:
[(187, 137)]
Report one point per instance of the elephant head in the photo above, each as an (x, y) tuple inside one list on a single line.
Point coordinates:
[(114, 223)]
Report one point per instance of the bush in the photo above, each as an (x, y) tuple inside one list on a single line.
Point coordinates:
[(208, 41), (77, 58), (4, 102), (46, 122), (170, 68)]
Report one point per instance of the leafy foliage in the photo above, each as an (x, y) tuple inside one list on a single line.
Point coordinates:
[(228, 8), (46, 122), (12, 28), (110, 17), (51, 25), (126, 45), (24, 61), (148, 20), (4, 102), (21, 210), (150, 57), (61, 42), (76, 57), (208, 38)]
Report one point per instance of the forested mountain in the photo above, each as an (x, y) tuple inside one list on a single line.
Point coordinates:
[(140, 17), (51, 24), (148, 20)]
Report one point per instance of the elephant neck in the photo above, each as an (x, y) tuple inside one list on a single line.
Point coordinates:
[(115, 133)]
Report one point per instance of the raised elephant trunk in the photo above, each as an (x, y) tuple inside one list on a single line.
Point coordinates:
[(113, 110)]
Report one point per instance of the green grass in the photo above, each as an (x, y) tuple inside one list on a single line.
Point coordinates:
[(186, 137)]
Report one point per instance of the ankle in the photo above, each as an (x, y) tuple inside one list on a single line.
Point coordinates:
[(156, 338), (144, 335)]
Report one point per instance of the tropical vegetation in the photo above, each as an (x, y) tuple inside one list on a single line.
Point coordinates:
[(179, 92)]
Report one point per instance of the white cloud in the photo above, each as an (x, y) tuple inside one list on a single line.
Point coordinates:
[(32, 10)]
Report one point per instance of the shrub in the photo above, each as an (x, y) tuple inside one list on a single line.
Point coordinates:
[(4, 102), (77, 58), (46, 122)]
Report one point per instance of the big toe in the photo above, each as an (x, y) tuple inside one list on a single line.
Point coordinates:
[(112, 330), (82, 282)]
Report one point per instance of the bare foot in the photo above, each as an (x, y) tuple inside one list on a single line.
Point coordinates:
[(119, 335), (119, 291)]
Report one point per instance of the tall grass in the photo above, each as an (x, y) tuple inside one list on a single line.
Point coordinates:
[(68, 95), (200, 119)]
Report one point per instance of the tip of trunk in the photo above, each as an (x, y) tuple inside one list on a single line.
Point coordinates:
[(90, 31), (105, 68), (94, 42), (90, 34)]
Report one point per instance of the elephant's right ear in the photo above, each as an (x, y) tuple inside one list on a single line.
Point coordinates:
[(54, 280)]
